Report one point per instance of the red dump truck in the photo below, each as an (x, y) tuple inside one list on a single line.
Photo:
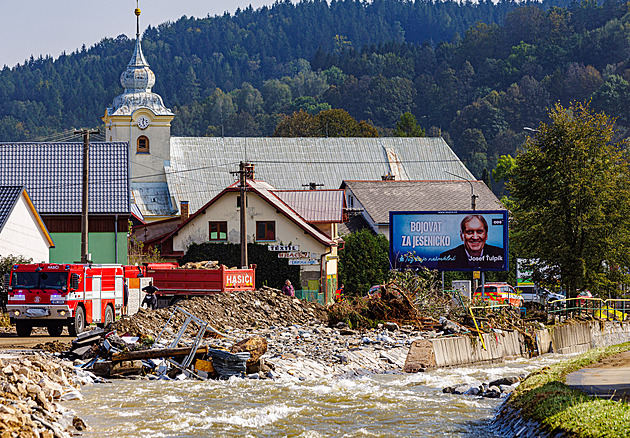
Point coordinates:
[(75, 295), (175, 283)]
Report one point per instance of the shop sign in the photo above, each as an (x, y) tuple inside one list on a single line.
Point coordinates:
[(283, 247), (294, 255), (302, 262)]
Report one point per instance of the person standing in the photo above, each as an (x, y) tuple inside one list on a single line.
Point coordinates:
[(150, 299), (288, 289)]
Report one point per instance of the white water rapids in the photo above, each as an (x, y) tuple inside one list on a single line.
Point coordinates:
[(405, 405)]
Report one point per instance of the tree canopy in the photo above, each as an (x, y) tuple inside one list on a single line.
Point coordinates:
[(571, 201)]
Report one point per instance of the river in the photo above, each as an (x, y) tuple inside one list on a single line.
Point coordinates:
[(408, 405)]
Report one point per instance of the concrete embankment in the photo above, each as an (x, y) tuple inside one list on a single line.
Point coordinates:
[(567, 338)]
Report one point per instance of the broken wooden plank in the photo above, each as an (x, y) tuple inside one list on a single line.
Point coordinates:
[(155, 353)]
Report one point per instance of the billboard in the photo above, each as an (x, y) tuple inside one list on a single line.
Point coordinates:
[(449, 240)]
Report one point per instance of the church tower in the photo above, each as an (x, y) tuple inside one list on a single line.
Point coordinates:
[(138, 116)]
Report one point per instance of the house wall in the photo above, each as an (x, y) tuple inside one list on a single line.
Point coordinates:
[(22, 235), (353, 203), (287, 232), (100, 245)]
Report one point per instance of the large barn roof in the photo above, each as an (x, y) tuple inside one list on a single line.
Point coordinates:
[(200, 166)]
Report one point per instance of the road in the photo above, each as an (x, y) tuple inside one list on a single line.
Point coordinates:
[(9, 339), (609, 378)]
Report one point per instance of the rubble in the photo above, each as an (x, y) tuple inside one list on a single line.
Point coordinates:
[(32, 387)]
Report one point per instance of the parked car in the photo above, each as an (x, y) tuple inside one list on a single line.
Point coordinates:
[(538, 295), (532, 294), (502, 293)]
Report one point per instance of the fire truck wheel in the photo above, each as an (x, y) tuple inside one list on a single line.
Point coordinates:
[(55, 330), (78, 326), (23, 328), (109, 316)]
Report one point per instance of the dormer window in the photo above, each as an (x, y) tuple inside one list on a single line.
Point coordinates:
[(143, 145)]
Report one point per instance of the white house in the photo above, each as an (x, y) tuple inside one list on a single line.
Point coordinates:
[(22, 231)]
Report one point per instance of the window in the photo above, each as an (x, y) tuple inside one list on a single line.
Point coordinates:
[(265, 231), (143, 145), (218, 231)]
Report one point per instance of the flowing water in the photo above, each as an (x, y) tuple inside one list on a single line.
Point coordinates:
[(409, 405)]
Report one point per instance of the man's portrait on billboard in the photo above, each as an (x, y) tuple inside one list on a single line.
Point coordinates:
[(473, 252)]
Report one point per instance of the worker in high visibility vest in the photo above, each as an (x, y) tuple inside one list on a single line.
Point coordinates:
[(339, 294)]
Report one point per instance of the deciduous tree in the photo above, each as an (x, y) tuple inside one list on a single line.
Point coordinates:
[(571, 193)]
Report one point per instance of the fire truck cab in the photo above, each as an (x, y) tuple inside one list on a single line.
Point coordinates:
[(65, 295)]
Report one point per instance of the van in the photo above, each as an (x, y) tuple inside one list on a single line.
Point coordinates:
[(502, 293)]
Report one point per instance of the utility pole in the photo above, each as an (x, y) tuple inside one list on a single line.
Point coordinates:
[(245, 170), (84, 202)]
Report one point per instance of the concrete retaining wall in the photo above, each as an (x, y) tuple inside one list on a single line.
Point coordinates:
[(569, 338), (466, 350)]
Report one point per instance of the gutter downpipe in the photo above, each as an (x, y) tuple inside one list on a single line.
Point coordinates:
[(116, 238)]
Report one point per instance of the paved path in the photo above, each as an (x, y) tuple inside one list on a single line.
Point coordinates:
[(609, 378)]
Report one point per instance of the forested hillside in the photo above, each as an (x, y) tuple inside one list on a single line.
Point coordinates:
[(473, 73)]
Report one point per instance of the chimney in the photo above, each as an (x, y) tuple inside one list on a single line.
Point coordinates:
[(388, 177), (249, 169), (183, 207)]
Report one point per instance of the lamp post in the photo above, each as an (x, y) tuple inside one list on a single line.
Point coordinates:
[(473, 197)]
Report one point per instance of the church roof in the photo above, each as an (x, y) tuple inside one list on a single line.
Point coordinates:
[(200, 166), (52, 175)]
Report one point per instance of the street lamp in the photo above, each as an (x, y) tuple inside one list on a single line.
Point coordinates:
[(473, 197)]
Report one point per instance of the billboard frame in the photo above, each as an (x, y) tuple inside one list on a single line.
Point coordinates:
[(506, 243)]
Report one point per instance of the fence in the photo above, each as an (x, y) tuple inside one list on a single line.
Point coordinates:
[(310, 295), (613, 309)]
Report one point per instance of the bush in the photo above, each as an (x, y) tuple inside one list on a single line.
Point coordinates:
[(270, 270), (363, 262)]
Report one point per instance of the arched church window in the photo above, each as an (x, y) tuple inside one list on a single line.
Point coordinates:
[(143, 145)]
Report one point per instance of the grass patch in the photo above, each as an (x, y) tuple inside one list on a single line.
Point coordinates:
[(544, 397)]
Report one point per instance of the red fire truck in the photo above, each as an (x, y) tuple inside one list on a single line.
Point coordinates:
[(53, 295), (75, 295)]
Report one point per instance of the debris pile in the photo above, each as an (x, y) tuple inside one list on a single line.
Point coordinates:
[(202, 265), (32, 387), (262, 308)]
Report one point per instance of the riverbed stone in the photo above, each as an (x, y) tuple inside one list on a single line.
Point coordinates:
[(510, 380)]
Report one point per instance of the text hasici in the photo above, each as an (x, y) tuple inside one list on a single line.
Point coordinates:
[(429, 240)]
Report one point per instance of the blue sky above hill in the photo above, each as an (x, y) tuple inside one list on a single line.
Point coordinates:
[(48, 27)]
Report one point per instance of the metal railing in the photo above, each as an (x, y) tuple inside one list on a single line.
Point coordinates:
[(310, 295), (613, 309)]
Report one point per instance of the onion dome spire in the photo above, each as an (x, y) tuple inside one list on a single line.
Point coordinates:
[(137, 81)]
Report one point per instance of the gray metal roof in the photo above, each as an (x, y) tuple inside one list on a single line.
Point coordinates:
[(9, 196), (152, 199), (378, 198), (52, 175), (200, 166), (314, 205)]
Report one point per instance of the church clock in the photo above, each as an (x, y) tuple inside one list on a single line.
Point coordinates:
[(143, 122)]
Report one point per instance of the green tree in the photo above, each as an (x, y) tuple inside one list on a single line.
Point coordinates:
[(363, 262), (7, 261), (407, 126), (571, 200)]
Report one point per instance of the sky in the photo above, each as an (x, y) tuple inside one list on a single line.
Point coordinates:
[(49, 27)]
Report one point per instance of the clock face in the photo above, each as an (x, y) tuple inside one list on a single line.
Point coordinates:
[(143, 122)]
